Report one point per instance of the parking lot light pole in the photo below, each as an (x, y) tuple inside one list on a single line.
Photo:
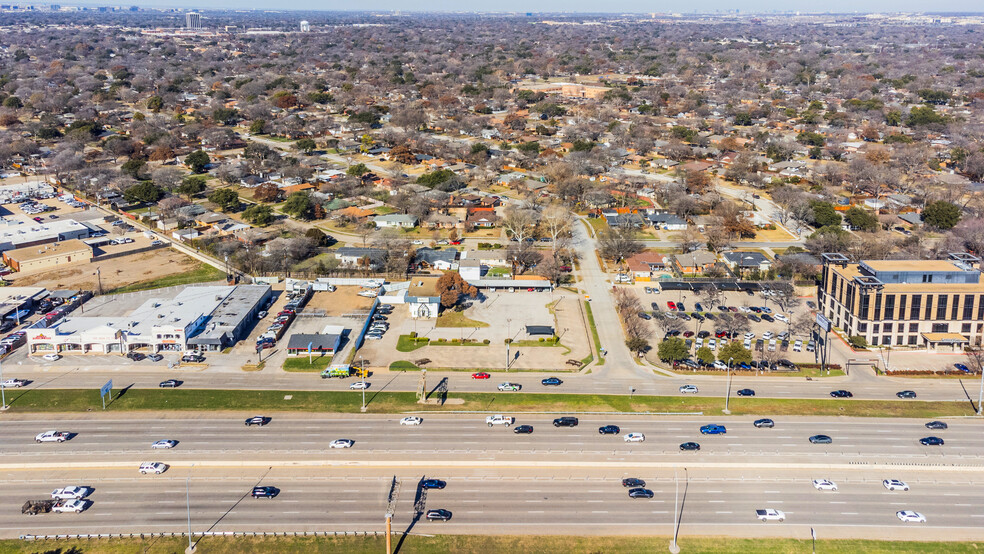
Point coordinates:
[(727, 392)]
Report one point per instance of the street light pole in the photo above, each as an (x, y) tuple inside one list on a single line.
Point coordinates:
[(980, 396), (508, 340), (3, 391), (727, 392), (191, 547)]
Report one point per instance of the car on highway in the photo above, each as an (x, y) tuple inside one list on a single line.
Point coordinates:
[(931, 441), (265, 492), (523, 430), (841, 394), (824, 485), (438, 515), (938, 425), (821, 439), (895, 485), (908, 516), (640, 493), (359, 385), (609, 430), (633, 482), (341, 443), (684, 389), (770, 514), (713, 429), (551, 382), (565, 422), (153, 467), (690, 446), (15, 383), (76, 505), (634, 437), (509, 386), (165, 444), (51, 357), (481, 375), (411, 420), (764, 422), (432, 484), (68, 493), (257, 420), (746, 392), (906, 394), (53, 436), (170, 384)]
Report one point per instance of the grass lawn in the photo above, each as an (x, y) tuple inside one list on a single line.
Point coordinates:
[(498, 271), (813, 373), (201, 274), (594, 333), (480, 544), (403, 365), (406, 344), (300, 364), (452, 318), (599, 224)]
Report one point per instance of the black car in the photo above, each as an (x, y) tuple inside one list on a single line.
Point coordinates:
[(931, 441), (257, 420), (746, 392), (690, 446), (633, 482), (193, 358), (767, 317), (432, 484), (609, 430), (821, 439), (438, 515), (841, 394), (764, 422), (936, 425), (640, 493), (155, 357), (135, 356), (170, 384), (551, 382), (565, 422), (680, 308), (523, 429), (265, 492), (753, 317), (644, 315), (906, 394)]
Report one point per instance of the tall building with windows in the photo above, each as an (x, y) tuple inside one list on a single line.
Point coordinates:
[(193, 20), (927, 304), (305, 27)]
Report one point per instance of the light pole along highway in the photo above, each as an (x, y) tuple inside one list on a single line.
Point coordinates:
[(727, 391)]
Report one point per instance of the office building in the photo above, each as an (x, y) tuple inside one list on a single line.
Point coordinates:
[(305, 27), (193, 20)]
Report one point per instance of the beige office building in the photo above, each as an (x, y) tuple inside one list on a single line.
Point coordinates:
[(48, 256)]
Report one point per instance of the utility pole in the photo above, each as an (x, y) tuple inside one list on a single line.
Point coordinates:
[(508, 340), (191, 547), (674, 549), (394, 495), (727, 392)]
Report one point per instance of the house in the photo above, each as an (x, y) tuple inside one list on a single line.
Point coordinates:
[(667, 221), (353, 255), (694, 262), (470, 269), (492, 258), (443, 259), (615, 219), (441, 221), (911, 218), (185, 235), (291, 189), (645, 265), (317, 344), (400, 221), (209, 218), (739, 261), (422, 298), (485, 219)]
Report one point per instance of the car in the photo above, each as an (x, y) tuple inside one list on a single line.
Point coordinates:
[(417, 241), (841, 394), (649, 290), (523, 430), (374, 336), (680, 307), (906, 394), (165, 444), (432, 484), (754, 317), (684, 389), (644, 315), (782, 318), (341, 443), (153, 467), (193, 358), (821, 439), (411, 420), (703, 334), (257, 420), (565, 422), (767, 335), (265, 492), (634, 437), (770, 514), (824, 485), (749, 335), (746, 392), (15, 383), (633, 482), (510, 386), (718, 364), (359, 385), (609, 430), (640, 493), (438, 515), (931, 441), (713, 429), (135, 356), (53, 436), (481, 375), (767, 317), (798, 346), (51, 357), (551, 382), (908, 516), (698, 307), (690, 446), (76, 505), (170, 384), (811, 304), (895, 485), (962, 368), (688, 334), (764, 423), (671, 305), (936, 425), (68, 493), (155, 357)]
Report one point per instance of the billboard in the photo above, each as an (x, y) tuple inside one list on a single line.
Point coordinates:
[(823, 323)]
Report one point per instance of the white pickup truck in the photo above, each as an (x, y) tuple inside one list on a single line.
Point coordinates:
[(499, 420), (53, 436), (76, 505), (68, 493)]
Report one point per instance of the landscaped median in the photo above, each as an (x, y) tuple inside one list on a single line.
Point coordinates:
[(82, 400), (409, 343)]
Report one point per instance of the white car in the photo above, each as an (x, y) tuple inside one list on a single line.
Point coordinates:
[(417, 241), (14, 383), (165, 443), (895, 485), (411, 420), (634, 437), (749, 335), (824, 485), (368, 293), (688, 388), (908, 516), (153, 467), (68, 493), (767, 335), (770, 514), (509, 386), (51, 357), (358, 385), (782, 318), (712, 343), (718, 364), (797, 346), (341, 443), (53, 436), (744, 309), (75, 505)]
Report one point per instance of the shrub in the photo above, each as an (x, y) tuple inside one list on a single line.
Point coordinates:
[(442, 340), (413, 334), (507, 341), (857, 341), (454, 341), (542, 339), (486, 341)]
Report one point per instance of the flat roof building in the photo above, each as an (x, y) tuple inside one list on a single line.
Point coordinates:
[(46, 256), (15, 234)]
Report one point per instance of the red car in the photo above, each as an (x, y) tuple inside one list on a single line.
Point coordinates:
[(481, 375), (721, 334), (529, 289), (688, 334), (671, 306), (456, 242)]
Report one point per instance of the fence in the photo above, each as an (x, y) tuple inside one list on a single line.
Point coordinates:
[(85, 536)]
